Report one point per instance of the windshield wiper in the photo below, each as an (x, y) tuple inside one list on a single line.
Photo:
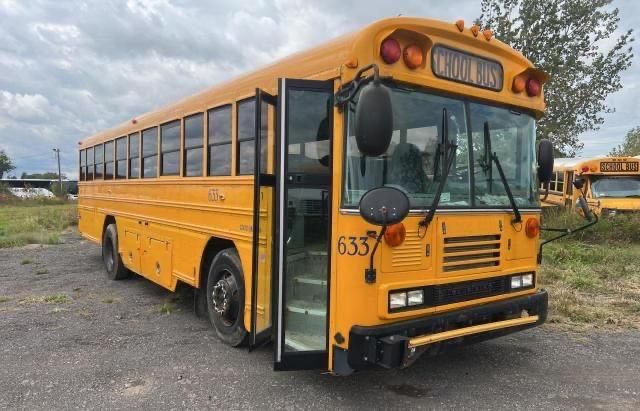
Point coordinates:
[(493, 157), (447, 151)]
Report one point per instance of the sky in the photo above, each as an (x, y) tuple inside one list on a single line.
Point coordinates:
[(71, 68)]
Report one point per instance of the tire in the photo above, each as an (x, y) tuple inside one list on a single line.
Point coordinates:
[(112, 261), (225, 297)]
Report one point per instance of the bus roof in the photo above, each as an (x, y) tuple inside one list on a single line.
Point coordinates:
[(329, 60), (597, 165)]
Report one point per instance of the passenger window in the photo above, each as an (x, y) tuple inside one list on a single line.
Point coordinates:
[(219, 141), (98, 168), (193, 142), (89, 169), (83, 165), (150, 153), (134, 155), (170, 142), (246, 131), (560, 182), (121, 158), (108, 160)]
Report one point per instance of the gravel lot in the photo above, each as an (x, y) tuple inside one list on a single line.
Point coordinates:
[(71, 338)]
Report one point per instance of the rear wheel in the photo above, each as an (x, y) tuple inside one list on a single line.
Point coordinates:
[(112, 261), (225, 297)]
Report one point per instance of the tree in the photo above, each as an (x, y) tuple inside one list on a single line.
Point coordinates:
[(630, 146), (44, 176), (6, 164), (565, 39)]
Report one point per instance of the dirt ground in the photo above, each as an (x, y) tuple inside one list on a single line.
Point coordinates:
[(70, 338)]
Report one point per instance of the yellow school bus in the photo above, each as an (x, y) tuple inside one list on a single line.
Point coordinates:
[(611, 184), (357, 204)]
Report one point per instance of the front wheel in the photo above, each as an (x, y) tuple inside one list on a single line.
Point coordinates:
[(110, 256), (225, 297)]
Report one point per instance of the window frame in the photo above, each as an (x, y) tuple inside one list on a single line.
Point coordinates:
[(113, 159), (156, 153), (210, 145), (117, 160), (90, 165), (237, 139), (162, 153), (96, 164), (82, 165), (203, 141), (137, 157)]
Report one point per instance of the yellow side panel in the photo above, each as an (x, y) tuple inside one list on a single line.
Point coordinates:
[(156, 260)]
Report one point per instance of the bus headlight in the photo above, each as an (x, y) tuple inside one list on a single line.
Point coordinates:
[(415, 297), (521, 281), (397, 300)]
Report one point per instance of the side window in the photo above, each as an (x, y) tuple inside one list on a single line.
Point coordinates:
[(170, 149), (108, 160), (193, 141), (83, 165), (89, 169), (134, 155), (219, 141), (246, 134), (98, 166), (121, 157), (150, 153), (560, 183)]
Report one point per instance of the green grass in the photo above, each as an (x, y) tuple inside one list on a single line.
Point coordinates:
[(167, 308), (593, 277), (33, 222)]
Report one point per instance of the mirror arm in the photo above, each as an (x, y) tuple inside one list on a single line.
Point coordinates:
[(565, 231), (546, 192), (348, 92), (370, 273)]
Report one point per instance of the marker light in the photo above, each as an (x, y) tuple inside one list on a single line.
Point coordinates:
[(415, 297), (475, 29), (412, 56), (395, 234), (533, 87), (460, 25), (397, 300), (532, 228), (519, 84), (390, 50), (488, 34)]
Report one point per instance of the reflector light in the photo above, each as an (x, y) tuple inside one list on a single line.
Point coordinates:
[(533, 87), (395, 234), (390, 50), (519, 83), (412, 56), (532, 228)]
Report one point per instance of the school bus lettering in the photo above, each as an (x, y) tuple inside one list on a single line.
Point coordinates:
[(464, 67)]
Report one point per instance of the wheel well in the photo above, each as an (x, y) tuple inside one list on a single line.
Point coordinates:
[(107, 220), (213, 247)]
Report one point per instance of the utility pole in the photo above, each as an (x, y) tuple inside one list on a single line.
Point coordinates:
[(57, 151)]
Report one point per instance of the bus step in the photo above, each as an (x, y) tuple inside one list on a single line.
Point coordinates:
[(304, 342), (308, 317), (309, 287)]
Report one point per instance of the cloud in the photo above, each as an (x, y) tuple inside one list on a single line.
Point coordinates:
[(71, 68)]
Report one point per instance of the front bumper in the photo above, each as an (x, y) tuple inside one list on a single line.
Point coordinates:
[(400, 344)]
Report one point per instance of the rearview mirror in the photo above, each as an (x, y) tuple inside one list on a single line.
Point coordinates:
[(374, 119), (544, 156), (384, 206)]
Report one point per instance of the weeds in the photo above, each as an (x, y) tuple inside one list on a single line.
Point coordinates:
[(41, 272), (167, 308), (4, 299), (25, 261), (56, 299), (34, 223), (593, 277)]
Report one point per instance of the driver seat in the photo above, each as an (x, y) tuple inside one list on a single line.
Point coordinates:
[(406, 169)]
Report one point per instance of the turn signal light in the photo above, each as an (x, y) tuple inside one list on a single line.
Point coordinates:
[(412, 56), (390, 50), (533, 87), (395, 234), (532, 228), (519, 83)]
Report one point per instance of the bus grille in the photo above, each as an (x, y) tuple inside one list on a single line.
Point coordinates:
[(471, 252), (409, 254)]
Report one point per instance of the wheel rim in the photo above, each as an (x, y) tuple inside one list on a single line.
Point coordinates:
[(108, 255), (225, 297)]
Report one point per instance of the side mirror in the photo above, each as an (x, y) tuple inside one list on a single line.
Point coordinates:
[(374, 119), (544, 157), (384, 206), (578, 183)]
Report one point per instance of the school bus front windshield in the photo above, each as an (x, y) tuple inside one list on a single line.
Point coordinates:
[(616, 187), (413, 163)]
